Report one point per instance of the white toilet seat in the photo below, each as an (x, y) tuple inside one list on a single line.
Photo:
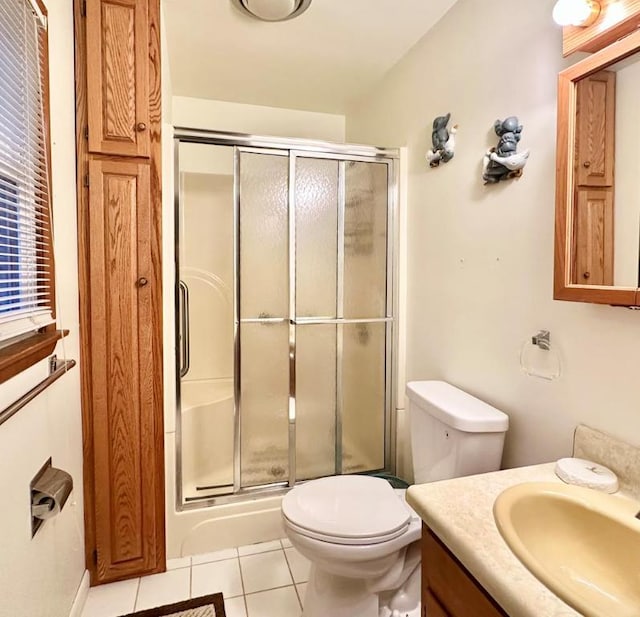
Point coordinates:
[(350, 510), (316, 535)]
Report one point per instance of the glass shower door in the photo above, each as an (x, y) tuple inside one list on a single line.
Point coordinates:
[(343, 318), (263, 353), (284, 317), (205, 226)]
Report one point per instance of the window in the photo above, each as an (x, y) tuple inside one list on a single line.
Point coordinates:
[(26, 264)]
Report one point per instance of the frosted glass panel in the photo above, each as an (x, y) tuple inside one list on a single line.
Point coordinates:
[(206, 273), (365, 242), (315, 401), (316, 193), (264, 235), (264, 411), (363, 396)]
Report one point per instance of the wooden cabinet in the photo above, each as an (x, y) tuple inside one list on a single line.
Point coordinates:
[(119, 244), (593, 237), (595, 129), (587, 241), (117, 34), (128, 527), (448, 590), (593, 231)]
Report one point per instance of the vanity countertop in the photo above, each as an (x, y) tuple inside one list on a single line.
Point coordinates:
[(460, 513)]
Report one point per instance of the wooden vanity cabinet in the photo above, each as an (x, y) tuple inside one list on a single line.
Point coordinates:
[(448, 589)]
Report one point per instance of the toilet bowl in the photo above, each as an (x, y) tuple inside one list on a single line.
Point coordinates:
[(363, 542), (360, 536)]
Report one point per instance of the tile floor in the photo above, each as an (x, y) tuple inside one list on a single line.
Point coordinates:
[(259, 580)]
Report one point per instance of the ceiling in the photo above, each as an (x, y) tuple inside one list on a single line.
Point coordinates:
[(320, 61)]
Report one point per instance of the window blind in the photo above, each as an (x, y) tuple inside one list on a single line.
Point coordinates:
[(26, 268)]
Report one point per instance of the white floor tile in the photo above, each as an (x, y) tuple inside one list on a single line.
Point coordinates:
[(179, 562), (234, 607), (227, 553), (112, 599), (165, 588), (299, 565), (261, 547), (218, 576), (286, 543), (265, 571), (301, 588), (274, 603)]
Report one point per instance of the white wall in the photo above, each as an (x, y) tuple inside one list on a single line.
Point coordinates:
[(40, 577), (256, 119), (480, 259)]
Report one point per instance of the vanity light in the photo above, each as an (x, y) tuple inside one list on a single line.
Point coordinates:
[(272, 10), (576, 12)]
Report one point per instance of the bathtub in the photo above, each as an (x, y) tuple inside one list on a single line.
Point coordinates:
[(207, 416)]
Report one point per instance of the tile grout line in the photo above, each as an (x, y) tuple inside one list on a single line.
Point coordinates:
[(244, 595), (253, 593), (135, 602), (292, 577)]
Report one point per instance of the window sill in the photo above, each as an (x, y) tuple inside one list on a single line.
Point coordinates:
[(20, 356)]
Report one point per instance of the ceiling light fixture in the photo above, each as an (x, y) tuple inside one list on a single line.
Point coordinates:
[(576, 12), (272, 10)]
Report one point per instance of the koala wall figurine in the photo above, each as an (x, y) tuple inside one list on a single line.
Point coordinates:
[(503, 161), (443, 141)]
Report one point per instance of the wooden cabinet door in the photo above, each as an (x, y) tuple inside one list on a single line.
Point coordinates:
[(431, 606), (117, 36), (595, 129), (447, 588), (126, 395), (593, 240)]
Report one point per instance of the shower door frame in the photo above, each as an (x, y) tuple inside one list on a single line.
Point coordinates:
[(293, 149)]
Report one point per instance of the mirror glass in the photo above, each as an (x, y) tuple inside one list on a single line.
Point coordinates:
[(605, 221)]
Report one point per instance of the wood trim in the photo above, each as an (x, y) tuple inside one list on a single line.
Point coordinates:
[(596, 62), (617, 19), (563, 289), (155, 446), (48, 252), (83, 281), (23, 354)]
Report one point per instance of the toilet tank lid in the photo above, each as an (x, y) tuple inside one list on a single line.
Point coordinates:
[(457, 408)]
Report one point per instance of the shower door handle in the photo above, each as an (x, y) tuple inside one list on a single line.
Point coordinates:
[(185, 351)]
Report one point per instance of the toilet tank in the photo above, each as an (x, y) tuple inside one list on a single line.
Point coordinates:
[(453, 434)]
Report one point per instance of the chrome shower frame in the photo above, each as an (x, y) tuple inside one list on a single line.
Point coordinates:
[(293, 148)]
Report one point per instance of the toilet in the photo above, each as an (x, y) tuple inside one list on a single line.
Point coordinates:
[(361, 536)]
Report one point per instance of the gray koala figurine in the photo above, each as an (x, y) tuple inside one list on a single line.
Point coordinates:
[(504, 161), (443, 141)]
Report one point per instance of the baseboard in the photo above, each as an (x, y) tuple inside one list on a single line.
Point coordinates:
[(81, 596)]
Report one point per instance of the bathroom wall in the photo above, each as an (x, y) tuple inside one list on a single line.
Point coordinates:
[(40, 577), (480, 258), (256, 119)]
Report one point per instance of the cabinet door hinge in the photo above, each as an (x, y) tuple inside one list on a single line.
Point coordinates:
[(94, 556), (83, 8), (86, 132), (86, 180)]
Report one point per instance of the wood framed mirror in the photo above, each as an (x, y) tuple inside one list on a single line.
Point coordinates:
[(597, 236)]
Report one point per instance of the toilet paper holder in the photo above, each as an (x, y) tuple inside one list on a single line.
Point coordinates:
[(49, 490)]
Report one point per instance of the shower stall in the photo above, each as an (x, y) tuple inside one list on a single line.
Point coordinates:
[(284, 311)]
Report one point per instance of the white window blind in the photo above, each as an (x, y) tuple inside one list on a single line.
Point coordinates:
[(26, 268)]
